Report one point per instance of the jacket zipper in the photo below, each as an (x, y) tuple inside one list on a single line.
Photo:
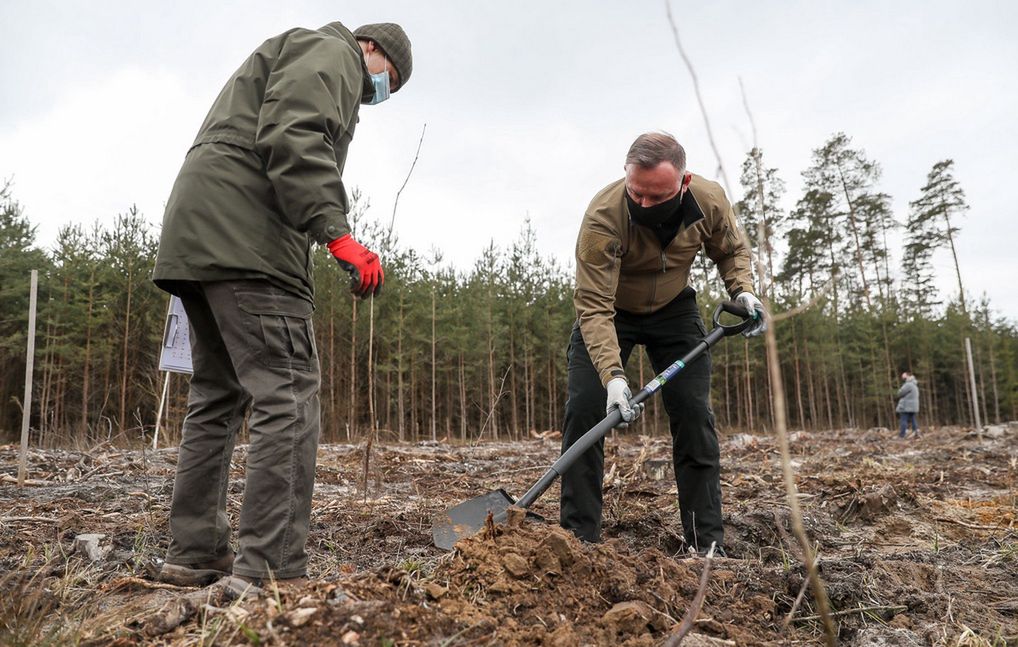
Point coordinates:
[(664, 269)]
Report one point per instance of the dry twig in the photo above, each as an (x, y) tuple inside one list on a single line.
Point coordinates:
[(974, 526), (699, 98), (7, 478), (781, 431), (407, 179), (124, 582), (848, 612), (367, 463), (38, 519), (494, 403), (802, 593), (777, 388), (694, 609)]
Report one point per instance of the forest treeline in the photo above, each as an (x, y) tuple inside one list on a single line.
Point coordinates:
[(480, 353)]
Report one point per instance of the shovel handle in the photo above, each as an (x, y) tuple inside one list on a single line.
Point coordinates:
[(601, 429), (734, 309), (566, 460)]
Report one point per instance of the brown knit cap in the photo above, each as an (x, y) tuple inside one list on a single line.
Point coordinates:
[(394, 42)]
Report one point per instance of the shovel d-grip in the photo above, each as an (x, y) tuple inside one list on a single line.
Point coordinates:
[(466, 518)]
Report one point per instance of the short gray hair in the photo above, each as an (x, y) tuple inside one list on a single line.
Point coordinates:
[(650, 149)]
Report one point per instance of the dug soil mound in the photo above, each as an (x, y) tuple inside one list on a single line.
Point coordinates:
[(517, 584), (917, 542)]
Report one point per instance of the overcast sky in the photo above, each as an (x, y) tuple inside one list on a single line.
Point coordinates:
[(531, 105)]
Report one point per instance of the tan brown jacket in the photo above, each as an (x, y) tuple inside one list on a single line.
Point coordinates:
[(620, 265)]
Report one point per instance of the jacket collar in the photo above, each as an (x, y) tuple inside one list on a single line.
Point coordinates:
[(339, 30), (689, 209)]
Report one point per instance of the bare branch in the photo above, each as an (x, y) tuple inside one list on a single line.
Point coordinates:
[(777, 388), (32, 519), (494, 403), (788, 314), (694, 609), (395, 203), (800, 596), (791, 491), (699, 98), (366, 463), (749, 113), (848, 612)]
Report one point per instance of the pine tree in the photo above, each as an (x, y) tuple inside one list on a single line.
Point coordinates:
[(874, 210), (813, 240), (18, 257), (940, 202), (129, 251), (846, 175), (761, 203), (922, 237)]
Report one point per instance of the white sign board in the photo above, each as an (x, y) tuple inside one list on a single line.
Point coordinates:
[(175, 355)]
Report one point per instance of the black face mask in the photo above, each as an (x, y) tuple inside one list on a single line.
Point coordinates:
[(656, 215)]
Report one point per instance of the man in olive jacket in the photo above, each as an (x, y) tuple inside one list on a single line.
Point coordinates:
[(263, 182), (636, 246)]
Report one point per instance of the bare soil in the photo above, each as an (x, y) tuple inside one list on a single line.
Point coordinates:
[(918, 544)]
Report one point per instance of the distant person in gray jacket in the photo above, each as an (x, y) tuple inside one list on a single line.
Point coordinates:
[(908, 404)]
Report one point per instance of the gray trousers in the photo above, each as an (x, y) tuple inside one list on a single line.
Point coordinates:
[(252, 345)]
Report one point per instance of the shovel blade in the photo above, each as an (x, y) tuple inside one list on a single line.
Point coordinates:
[(465, 519)]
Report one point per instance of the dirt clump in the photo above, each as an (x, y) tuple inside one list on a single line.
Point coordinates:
[(537, 584)]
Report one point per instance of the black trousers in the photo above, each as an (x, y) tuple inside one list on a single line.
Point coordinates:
[(668, 334)]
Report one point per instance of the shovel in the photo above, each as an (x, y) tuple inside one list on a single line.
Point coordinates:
[(465, 519)]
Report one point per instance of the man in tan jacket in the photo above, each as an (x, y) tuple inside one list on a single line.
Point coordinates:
[(637, 244)]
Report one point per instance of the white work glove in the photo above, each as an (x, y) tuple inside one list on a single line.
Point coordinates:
[(619, 396), (749, 301)]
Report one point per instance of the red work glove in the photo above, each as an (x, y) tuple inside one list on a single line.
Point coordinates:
[(362, 264)]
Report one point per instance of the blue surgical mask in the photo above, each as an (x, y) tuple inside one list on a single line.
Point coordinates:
[(381, 83)]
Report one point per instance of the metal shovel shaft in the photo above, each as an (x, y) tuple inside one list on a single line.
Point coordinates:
[(601, 429)]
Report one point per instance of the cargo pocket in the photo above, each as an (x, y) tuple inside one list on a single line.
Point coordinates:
[(279, 327), (700, 327), (706, 362)]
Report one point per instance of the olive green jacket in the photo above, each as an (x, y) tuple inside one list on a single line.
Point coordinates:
[(620, 265), (263, 179)]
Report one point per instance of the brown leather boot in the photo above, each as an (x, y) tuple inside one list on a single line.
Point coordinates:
[(286, 584), (243, 587), (238, 587), (200, 574)]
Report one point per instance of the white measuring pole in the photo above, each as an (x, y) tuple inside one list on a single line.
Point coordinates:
[(159, 414), (972, 385), (26, 409)]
